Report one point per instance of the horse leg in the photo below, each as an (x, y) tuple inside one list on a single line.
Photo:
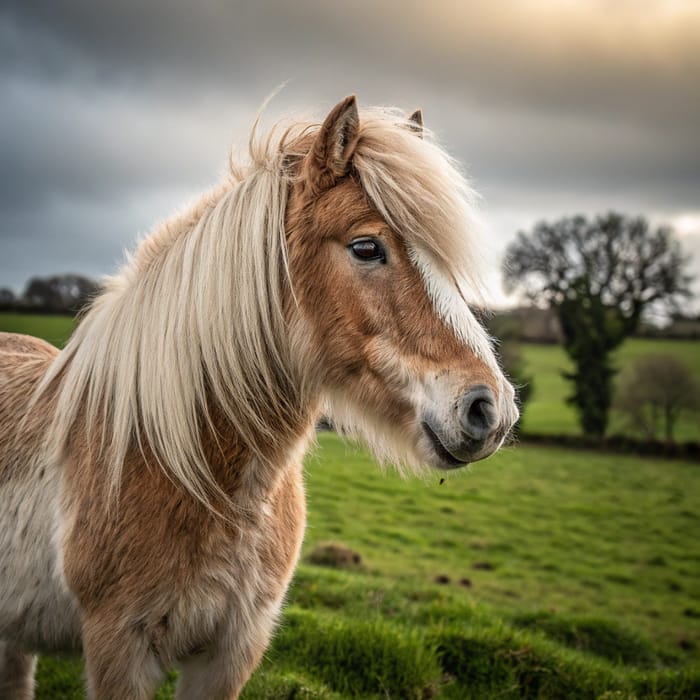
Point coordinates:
[(16, 673), (215, 676), (120, 663), (221, 671)]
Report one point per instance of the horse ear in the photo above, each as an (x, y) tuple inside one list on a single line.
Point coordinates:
[(331, 153), (415, 122)]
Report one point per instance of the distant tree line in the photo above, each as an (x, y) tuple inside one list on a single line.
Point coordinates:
[(59, 294), (531, 324)]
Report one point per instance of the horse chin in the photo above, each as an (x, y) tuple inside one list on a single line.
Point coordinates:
[(442, 457), (446, 453)]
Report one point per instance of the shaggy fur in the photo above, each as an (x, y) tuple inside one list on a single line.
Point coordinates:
[(150, 473)]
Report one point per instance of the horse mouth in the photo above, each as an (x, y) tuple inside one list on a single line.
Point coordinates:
[(442, 452)]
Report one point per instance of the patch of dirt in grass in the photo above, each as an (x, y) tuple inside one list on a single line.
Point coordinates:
[(335, 555)]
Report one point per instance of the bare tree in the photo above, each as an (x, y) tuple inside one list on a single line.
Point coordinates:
[(653, 392), (599, 277)]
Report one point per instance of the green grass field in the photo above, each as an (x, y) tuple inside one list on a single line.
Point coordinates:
[(577, 533), (55, 329), (564, 575), (539, 573)]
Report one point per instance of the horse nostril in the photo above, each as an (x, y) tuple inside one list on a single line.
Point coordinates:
[(478, 416)]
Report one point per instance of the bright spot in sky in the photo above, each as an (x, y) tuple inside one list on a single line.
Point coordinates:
[(686, 224)]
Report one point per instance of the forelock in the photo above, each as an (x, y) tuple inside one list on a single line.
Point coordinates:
[(423, 195)]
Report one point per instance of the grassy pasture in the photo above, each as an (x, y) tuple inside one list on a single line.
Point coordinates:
[(55, 329), (564, 575), (577, 533)]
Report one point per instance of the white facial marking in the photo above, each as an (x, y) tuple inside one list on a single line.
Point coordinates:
[(451, 306), (453, 309)]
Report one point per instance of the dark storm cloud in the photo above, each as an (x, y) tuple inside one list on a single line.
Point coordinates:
[(163, 45), (567, 90), (591, 58), (59, 141), (111, 108)]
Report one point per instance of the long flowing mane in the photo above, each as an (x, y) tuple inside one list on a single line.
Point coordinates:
[(196, 319)]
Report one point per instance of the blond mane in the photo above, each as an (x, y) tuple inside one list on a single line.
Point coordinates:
[(195, 318)]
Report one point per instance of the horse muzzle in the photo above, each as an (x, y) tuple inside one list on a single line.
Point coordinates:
[(474, 429)]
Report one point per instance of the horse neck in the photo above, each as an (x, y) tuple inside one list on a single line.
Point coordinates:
[(241, 473)]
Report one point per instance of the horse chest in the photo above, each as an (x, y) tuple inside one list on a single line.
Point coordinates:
[(186, 582), (242, 590), (258, 561)]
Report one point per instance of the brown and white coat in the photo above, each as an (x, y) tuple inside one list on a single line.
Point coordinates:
[(152, 504)]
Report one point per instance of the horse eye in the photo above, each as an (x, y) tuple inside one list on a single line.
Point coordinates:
[(368, 249)]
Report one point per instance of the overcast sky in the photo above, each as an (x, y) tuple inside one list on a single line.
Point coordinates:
[(114, 114)]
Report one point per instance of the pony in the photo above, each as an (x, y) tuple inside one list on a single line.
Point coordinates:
[(151, 472)]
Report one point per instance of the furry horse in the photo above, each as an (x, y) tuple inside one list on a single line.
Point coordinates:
[(150, 473)]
